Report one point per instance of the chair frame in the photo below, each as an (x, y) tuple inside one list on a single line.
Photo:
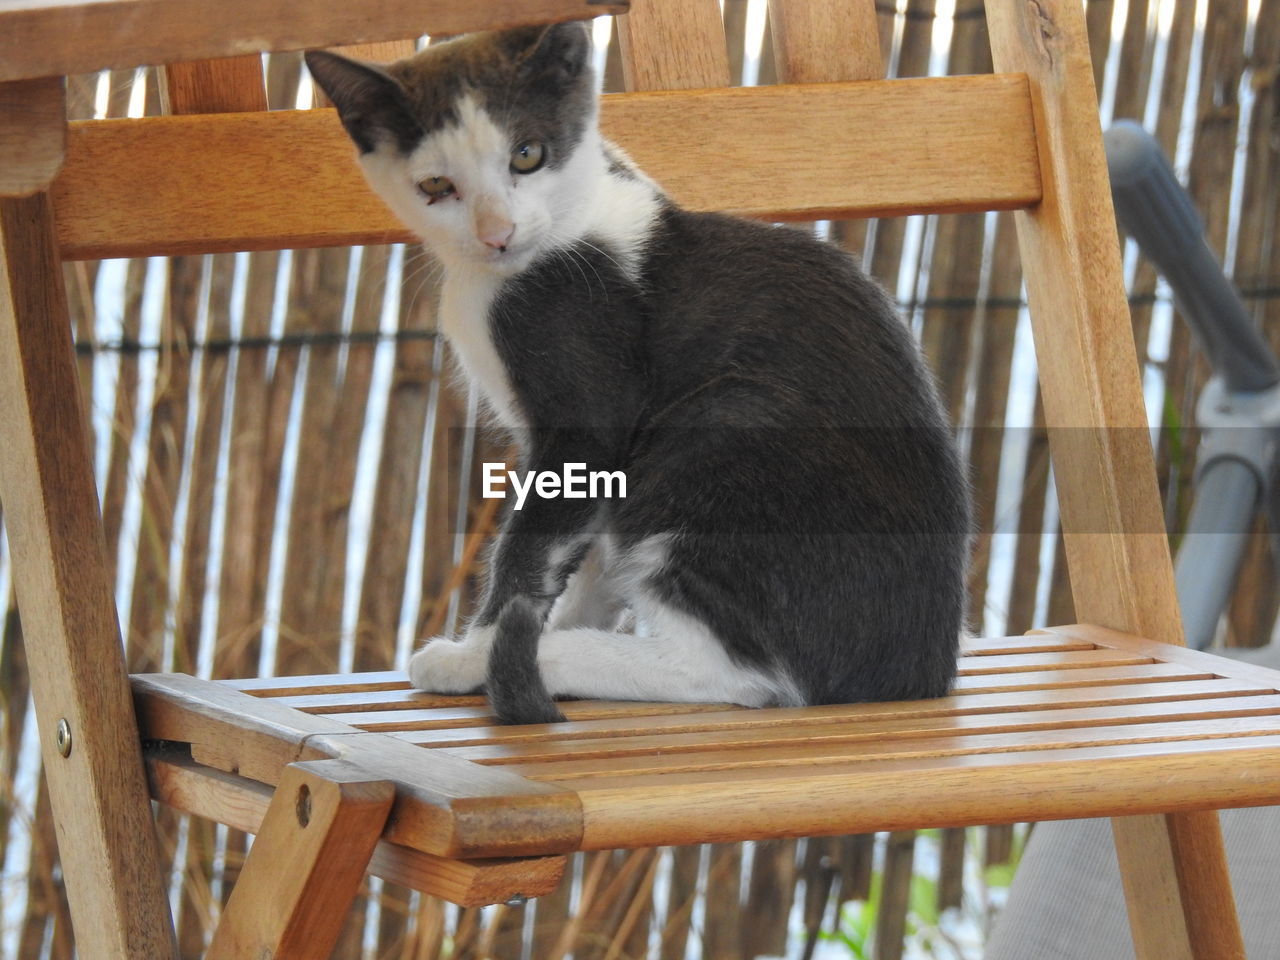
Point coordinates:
[(1176, 881)]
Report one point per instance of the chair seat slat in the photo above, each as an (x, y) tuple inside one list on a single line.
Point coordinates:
[(734, 720), (929, 792), (1047, 660), (1033, 643), (799, 752), (845, 732), (1071, 696)]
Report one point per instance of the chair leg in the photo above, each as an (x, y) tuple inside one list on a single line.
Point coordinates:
[(1176, 877), (1177, 887), (106, 838), (306, 864)]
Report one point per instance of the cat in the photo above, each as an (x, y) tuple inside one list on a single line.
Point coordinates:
[(796, 524)]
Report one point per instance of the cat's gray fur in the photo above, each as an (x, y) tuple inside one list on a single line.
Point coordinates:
[(797, 520)]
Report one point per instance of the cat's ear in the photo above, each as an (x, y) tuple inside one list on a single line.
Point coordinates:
[(371, 102), (559, 52)]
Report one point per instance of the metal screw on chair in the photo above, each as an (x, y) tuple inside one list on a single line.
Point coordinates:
[(519, 900), (63, 737)]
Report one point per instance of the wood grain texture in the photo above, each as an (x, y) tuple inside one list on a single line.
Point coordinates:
[(673, 46), (820, 41), (461, 708), (360, 682), (1151, 892), (242, 735), (301, 875), (1017, 702), (1031, 643), (161, 185), (444, 805), (1117, 553), (1034, 706), (1176, 861), (832, 799), (1074, 659), (242, 803), (1124, 709), (455, 808), (879, 737), (1196, 659), (223, 85), (33, 134), (1082, 676), (40, 38), (1116, 547), (1203, 881), (798, 752), (105, 834)]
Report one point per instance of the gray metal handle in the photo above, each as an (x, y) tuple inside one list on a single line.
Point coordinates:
[(1218, 530), (1155, 210)]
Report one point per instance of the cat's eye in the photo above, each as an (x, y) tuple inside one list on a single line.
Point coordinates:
[(527, 157), (437, 188)]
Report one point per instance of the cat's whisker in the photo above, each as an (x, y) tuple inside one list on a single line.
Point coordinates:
[(580, 258), (430, 275), (568, 246), (604, 253), (423, 268), (426, 267), (419, 268), (566, 255)]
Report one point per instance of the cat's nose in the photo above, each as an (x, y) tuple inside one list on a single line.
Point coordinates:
[(493, 227), (498, 236)]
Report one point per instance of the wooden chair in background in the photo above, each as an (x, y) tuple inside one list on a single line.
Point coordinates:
[(338, 775)]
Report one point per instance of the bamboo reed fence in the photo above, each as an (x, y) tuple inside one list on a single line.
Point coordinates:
[(288, 486)]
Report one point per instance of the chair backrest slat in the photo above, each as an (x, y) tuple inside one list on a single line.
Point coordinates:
[(818, 41), (162, 185), (59, 37), (674, 46), (222, 85)]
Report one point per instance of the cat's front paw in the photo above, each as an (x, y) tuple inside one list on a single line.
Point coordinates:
[(449, 666)]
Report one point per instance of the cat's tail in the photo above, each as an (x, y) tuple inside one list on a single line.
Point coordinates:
[(516, 691)]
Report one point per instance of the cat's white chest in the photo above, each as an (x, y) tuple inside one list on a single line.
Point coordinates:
[(465, 301)]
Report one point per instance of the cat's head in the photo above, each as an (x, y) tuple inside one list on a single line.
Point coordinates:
[(477, 143)]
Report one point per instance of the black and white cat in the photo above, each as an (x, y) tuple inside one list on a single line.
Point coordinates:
[(795, 529)]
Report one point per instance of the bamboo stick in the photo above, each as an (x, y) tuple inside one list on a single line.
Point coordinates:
[(769, 896), (1257, 266), (383, 589), (951, 869), (317, 300), (1181, 39), (895, 895), (550, 913), (722, 931), (681, 900)]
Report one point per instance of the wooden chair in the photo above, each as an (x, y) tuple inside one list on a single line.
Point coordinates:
[(337, 775)]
